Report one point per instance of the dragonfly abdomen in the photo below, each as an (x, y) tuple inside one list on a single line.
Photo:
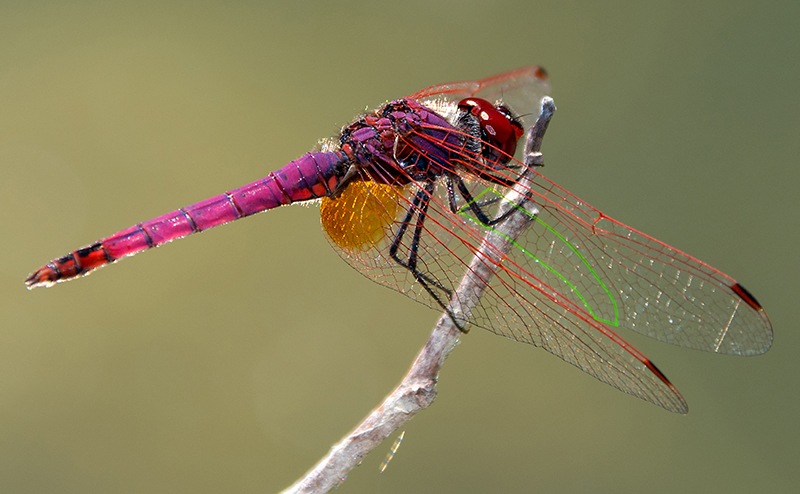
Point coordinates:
[(311, 176)]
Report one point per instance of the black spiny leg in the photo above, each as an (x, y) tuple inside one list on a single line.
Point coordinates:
[(477, 207), (419, 208)]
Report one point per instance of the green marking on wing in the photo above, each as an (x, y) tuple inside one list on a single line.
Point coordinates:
[(552, 269)]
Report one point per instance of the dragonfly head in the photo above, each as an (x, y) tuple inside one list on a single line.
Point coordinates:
[(499, 129)]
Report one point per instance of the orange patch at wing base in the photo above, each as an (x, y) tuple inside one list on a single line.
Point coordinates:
[(359, 217)]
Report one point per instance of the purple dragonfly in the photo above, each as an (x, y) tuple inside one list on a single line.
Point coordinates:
[(407, 194)]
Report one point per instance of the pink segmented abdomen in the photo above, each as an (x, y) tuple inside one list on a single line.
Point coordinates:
[(311, 176)]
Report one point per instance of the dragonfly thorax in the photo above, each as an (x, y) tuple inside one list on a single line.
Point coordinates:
[(402, 142)]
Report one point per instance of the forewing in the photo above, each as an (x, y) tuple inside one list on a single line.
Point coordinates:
[(616, 275)]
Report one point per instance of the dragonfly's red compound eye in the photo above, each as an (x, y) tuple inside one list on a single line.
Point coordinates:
[(498, 125)]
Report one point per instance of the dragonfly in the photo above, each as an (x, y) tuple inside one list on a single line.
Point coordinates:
[(408, 192)]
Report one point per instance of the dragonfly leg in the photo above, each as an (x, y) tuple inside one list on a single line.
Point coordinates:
[(452, 201), (532, 157), (477, 207), (417, 211), (419, 208)]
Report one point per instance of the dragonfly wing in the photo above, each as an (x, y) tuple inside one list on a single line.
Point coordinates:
[(615, 275), (512, 305), (510, 308), (567, 284)]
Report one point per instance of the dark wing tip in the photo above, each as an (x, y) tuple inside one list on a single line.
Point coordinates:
[(748, 297), (676, 403), (761, 334)]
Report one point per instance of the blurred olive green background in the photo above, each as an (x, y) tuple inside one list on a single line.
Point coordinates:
[(232, 360)]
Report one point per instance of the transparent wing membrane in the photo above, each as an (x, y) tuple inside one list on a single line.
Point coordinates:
[(572, 279)]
